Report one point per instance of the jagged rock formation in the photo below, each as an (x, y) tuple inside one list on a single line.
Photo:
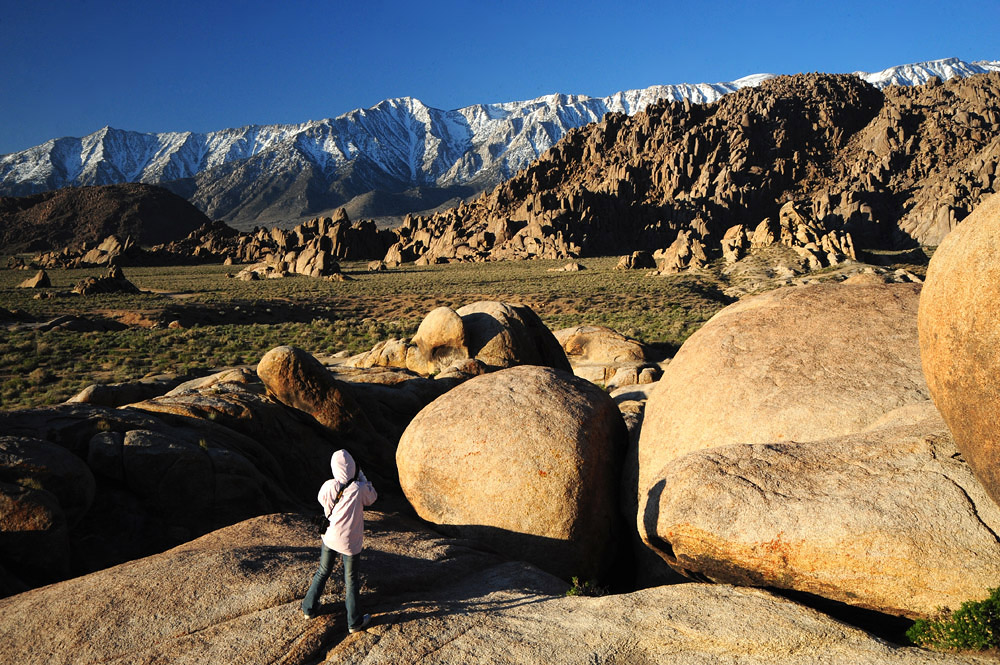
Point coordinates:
[(311, 248), (826, 164), (113, 281), (147, 214)]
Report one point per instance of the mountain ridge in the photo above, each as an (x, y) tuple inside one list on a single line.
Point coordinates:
[(270, 173)]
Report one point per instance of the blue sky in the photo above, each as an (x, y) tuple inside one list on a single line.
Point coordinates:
[(69, 67)]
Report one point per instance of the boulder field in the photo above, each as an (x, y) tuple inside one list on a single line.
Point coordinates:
[(791, 445)]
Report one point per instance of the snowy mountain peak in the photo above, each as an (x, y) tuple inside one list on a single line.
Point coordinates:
[(919, 73)]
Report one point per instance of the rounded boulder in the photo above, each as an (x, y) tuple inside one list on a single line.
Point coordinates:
[(960, 338), (527, 460), (503, 335), (800, 363)]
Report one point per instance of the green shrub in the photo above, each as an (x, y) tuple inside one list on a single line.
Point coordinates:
[(588, 588), (974, 626)]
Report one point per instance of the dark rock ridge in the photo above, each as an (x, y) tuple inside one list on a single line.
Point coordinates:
[(311, 248), (146, 214), (826, 163)]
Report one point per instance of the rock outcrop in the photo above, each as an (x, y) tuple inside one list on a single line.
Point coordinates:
[(959, 339), (433, 599), (527, 460), (113, 281), (890, 519), (39, 281), (824, 164)]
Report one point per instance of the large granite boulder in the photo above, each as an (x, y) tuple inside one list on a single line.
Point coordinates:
[(527, 460), (795, 364), (960, 338), (890, 519), (233, 596)]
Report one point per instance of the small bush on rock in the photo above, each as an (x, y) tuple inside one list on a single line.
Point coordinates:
[(587, 588), (974, 626)]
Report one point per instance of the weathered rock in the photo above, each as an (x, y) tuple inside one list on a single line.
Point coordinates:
[(798, 364), (447, 602), (597, 344), (34, 538), (544, 490), (120, 394), (638, 260), (503, 335), (42, 465), (440, 340), (890, 519), (960, 338), (114, 281), (240, 375), (687, 252), (39, 281), (297, 379)]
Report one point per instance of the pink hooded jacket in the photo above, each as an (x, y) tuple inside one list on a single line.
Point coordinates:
[(347, 523)]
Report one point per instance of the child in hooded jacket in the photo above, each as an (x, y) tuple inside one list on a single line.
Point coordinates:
[(343, 498)]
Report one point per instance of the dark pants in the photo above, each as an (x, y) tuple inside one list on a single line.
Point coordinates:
[(326, 558)]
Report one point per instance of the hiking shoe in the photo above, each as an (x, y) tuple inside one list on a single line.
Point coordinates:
[(308, 615), (365, 620)]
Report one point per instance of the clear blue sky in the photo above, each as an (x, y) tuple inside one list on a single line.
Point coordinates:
[(69, 67)]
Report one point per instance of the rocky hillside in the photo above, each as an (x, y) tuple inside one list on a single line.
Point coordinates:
[(146, 214), (862, 167)]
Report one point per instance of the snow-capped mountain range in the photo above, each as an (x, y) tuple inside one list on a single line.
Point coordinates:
[(263, 173)]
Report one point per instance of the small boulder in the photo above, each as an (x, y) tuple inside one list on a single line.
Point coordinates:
[(597, 344), (39, 281)]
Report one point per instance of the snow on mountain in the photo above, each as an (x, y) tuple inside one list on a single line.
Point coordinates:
[(396, 144), (921, 72)]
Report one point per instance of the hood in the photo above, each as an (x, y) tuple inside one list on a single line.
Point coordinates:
[(343, 466)]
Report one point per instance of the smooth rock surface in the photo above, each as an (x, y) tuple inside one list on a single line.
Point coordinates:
[(527, 460), (960, 338), (233, 597), (890, 519), (297, 379), (800, 364)]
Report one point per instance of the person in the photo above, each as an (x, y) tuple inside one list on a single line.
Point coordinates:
[(343, 498)]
